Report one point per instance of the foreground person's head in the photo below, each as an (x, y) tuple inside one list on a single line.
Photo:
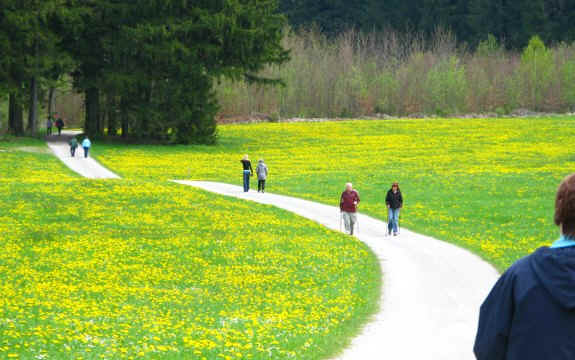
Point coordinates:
[(565, 207), (349, 187)]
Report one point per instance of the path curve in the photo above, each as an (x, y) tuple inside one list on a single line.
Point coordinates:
[(88, 168), (432, 290)]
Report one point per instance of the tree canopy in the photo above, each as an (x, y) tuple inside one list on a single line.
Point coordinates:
[(146, 67)]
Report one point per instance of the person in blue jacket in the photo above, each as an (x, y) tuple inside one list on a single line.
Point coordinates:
[(86, 144), (530, 312)]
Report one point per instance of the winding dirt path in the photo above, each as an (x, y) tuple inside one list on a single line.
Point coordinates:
[(432, 289)]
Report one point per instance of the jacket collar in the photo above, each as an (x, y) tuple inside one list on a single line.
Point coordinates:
[(563, 242)]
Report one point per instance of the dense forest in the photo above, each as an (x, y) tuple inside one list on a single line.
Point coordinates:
[(513, 22)]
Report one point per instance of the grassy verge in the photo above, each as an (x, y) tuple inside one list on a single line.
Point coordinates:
[(145, 269), (487, 185)]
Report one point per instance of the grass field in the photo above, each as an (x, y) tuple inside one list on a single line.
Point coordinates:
[(147, 269), (487, 185)]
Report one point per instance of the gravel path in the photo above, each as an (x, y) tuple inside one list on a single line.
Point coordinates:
[(87, 167), (432, 289)]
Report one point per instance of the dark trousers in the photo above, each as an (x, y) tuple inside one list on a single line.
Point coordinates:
[(49, 131), (261, 185), (247, 175), (59, 131), (86, 151), (73, 150)]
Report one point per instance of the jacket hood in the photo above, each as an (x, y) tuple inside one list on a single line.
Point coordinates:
[(555, 270)]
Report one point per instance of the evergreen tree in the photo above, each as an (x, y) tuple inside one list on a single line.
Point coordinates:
[(156, 61), (30, 46)]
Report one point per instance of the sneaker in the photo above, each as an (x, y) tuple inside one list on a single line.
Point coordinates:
[(395, 234)]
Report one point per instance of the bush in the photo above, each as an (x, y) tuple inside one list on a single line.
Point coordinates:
[(445, 87), (535, 73)]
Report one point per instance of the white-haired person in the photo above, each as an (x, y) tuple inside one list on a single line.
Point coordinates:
[(348, 205)]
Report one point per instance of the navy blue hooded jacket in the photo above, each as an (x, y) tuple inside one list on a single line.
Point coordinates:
[(530, 313)]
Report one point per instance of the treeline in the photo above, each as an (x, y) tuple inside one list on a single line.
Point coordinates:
[(358, 74), (512, 22), (146, 68)]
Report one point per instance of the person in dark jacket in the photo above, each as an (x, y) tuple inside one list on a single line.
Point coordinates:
[(248, 172), (60, 125), (348, 205), (530, 312), (73, 146), (394, 202)]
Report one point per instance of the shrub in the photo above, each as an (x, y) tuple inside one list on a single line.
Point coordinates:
[(445, 87), (535, 73)]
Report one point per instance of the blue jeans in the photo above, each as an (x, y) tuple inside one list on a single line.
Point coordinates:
[(247, 175), (393, 220)]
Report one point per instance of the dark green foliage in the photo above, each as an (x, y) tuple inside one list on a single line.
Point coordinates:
[(150, 64), (513, 22), (30, 44), (162, 58)]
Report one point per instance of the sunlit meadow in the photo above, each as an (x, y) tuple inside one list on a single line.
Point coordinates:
[(485, 184), (128, 269)]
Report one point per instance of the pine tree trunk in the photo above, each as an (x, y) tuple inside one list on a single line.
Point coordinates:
[(112, 123), (124, 118), (11, 116), (16, 121), (51, 96), (33, 109), (92, 111)]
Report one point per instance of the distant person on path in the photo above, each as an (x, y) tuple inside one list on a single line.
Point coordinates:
[(530, 312), (73, 146), (60, 125), (262, 172), (348, 205), (394, 202), (49, 125), (248, 171), (86, 144)]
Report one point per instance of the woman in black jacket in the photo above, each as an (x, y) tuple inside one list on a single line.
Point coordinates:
[(394, 202), (248, 172)]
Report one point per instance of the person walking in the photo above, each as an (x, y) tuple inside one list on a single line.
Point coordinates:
[(248, 172), (86, 144), (348, 205), (60, 125), (262, 172), (394, 202), (49, 125), (530, 312), (73, 145)]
